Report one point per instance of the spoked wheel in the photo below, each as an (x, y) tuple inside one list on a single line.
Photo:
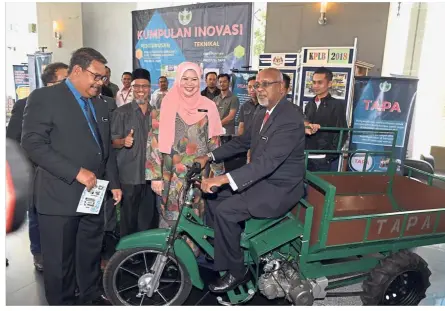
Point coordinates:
[(400, 279), (128, 274)]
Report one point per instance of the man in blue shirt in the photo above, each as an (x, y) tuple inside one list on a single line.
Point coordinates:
[(66, 133)]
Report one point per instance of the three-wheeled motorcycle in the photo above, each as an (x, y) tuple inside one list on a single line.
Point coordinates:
[(351, 227)]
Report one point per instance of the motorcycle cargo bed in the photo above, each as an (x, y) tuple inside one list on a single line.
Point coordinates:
[(368, 195)]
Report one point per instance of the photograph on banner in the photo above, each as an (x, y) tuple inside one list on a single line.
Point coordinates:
[(308, 91), (385, 104), (21, 81), (213, 35), (239, 88), (291, 74), (340, 83), (168, 71)]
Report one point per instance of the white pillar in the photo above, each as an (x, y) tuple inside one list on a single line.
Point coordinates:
[(429, 118), (397, 33)]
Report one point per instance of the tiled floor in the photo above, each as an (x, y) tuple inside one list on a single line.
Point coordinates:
[(24, 286)]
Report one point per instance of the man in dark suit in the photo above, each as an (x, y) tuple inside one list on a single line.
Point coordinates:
[(53, 74), (267, 187), (66, 133)]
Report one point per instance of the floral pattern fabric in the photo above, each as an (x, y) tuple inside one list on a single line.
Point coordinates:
[(190, 142)]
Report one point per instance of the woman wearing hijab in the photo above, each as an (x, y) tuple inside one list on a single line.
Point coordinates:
[(186, 126)]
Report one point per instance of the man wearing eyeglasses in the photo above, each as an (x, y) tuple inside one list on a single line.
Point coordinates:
[(53, 74), (66, 133), (267, 187), (129, 131)]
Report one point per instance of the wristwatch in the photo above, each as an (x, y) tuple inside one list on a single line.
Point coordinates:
[(210, 156)]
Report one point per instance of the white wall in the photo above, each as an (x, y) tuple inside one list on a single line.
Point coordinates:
[(69, 17), (396, 39), (429, 119), (107, 28), (19, 42)]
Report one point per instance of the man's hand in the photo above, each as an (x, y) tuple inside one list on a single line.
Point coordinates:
[(218, 181), (157, 186), (129, 139), (86, 178), (310, 128), (117, 195), (202, 160)]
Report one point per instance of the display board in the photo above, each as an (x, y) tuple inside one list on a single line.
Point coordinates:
[(287, 63), (36, 64), (217, 36), (21, 81), (239, 87), (340, 60), (381, 103)]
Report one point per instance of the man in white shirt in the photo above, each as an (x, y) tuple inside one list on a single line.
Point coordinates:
[(125, 94), (158, 95)]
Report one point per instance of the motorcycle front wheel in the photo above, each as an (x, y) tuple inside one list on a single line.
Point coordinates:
[(129, 268)]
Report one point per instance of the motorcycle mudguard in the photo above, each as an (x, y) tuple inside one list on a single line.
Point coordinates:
[(157, 238)]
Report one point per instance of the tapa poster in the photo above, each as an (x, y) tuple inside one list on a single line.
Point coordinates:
[(386, 104)]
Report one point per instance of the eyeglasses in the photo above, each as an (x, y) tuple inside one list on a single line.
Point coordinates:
[(138, 86), (264, 84), (98, 77)]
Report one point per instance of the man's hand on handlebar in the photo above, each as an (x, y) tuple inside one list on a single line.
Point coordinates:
[(202, 160), (208, 184), (311, 128)]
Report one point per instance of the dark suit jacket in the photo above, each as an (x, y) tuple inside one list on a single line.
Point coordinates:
[(56, 137), (110, 101), (14, 130), (272, 183)]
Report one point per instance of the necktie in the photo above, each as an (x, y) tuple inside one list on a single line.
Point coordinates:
[(266, 117), (93, 123)]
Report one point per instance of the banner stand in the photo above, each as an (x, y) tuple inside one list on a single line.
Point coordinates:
[(287, 63)]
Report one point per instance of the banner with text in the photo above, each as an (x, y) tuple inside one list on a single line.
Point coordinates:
[(36, 65), (239, 88), (21, 81), (385, 104), (214, 35)]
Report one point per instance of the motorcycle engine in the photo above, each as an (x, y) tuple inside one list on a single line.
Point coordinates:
[(280, 279)]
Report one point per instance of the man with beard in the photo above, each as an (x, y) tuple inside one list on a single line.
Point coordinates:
[(130, 126), (211, 90), (66, 133), (227, 104), (267, 187)]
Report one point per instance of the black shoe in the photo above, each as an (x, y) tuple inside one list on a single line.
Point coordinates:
[(38, 262), (228, 282), (102, 300)]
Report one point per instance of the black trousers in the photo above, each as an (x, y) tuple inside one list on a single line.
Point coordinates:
[(71, 250), (138, 209), (110, 214), (226, 213)]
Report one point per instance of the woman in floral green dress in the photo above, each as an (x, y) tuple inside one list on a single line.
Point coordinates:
[(186, 126)]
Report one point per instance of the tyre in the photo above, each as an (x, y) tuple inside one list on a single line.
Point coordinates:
[(400, 279), (127, 268)]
